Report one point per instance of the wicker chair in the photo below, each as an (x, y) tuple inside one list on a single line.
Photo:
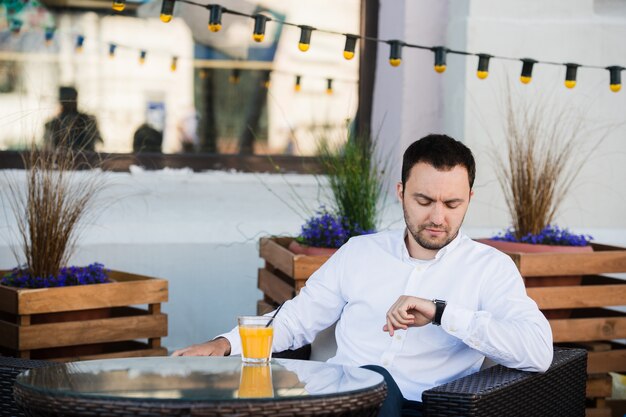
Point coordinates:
[(499, 391), (9, 369)]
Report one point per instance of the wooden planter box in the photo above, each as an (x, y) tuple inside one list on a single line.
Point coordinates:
[(592, 323), (85, 322)]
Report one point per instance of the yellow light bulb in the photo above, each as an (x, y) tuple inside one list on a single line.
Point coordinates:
[(348, 54), (304, 46), (79, 49), (329, 91), (298, 87), (267, 84), (142, 61), (395, 62), (570, 83), (440, 68), (524, 80), (482, 74), (258, 37), (215, 27), (166, 18), (616, 87), (118, 6)]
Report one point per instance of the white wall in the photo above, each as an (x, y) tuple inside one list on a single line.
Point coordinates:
[(413, 100)]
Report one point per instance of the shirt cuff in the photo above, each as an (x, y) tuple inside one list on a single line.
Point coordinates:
[(234, 340), (456, 320)]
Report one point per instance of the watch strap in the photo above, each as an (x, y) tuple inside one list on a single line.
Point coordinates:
[(440, 306)]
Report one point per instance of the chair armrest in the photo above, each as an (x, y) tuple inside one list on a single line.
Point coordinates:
[(500, 391), (303, 353), (10, 368)]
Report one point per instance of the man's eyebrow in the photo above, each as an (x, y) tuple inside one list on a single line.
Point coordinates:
[(452, 200)]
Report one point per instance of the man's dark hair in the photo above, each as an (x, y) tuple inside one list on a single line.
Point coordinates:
[(440, 151)]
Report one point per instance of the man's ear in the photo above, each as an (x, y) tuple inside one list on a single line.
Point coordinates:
[(470, 196), (399, 190)]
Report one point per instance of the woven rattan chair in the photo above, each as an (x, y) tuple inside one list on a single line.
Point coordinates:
[(9, 369), (499, 391)]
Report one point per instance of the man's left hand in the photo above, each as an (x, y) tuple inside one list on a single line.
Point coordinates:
[(407, 312)]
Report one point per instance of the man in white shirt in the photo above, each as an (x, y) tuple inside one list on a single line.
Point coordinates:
[(422, 306)]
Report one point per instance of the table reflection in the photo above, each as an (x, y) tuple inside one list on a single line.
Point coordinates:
[(196, 378)]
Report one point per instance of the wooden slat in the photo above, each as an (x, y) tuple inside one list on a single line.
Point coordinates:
[(8, 298), (263, 307), (584, 330), (599, 386), (124, 354), (8, 334), (611, 361), (277, 255), (274, 287), (598, 412), (304, 265), (578, 296), (128, 291), (553, 264), (91, 331)]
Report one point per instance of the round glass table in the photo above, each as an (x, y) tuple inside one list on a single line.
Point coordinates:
[(199, 386)]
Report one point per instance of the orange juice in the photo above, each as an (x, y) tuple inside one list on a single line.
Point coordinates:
[(256, 342), (256, 381)]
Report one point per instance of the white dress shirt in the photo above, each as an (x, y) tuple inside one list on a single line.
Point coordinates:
[(488, 312)]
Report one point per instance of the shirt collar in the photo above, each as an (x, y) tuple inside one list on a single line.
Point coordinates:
[(442, 252)]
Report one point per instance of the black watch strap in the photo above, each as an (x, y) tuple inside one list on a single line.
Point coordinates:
[(440, 306)]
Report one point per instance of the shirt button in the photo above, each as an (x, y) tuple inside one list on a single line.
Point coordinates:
[(385, 363), (398, 337)]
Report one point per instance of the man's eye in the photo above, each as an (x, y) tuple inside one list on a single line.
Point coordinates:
[(453, 205), (423, 202)]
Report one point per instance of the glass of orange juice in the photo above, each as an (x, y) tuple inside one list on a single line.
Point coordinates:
[(256, 381), (256, 334)]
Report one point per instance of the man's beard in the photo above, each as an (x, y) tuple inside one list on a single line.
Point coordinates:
[(424, 242)]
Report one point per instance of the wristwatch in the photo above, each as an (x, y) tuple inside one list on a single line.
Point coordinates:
[(440, 306)]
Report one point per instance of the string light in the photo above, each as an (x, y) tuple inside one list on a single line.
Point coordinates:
[(266, 79), (119, 5), (174, 64), (80, 40), (298, 86), (305, 37), (615, 73), (570, 75), (215, 18), (112, 47), (49, 35), (142, 57), (395, 52), (167, 10), (440, 58), (259, 27), (348, 50), (202, 74), (235, 76), (483, 66), (527, 70), (329, 86)]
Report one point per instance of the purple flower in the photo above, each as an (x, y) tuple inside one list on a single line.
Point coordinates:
[(328, 230), (67, 276), (549, 235)]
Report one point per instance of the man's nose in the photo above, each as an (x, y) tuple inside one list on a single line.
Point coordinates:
[(437, 214)]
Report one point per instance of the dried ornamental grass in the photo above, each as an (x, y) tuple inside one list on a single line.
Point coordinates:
[(52, 208), (542, 159)]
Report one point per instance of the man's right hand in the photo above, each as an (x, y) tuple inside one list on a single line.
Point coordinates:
[(217, 347)]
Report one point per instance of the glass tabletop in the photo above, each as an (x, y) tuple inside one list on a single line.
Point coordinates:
[(196, 379)]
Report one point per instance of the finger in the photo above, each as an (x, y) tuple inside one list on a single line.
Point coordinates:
[(178, 352), (389, 326), (399, 319)]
